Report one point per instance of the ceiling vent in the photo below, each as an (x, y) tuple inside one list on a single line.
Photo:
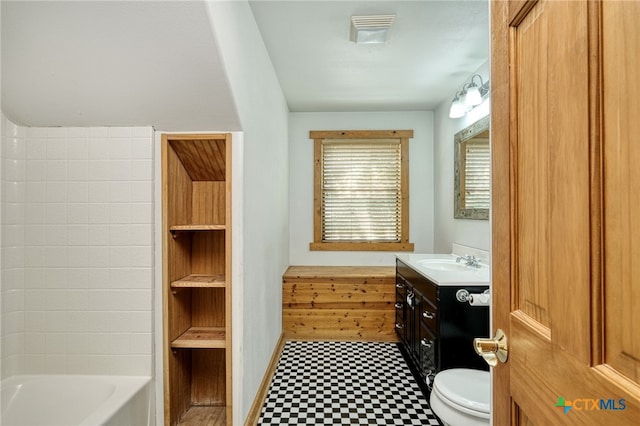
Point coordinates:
[(371, 28)]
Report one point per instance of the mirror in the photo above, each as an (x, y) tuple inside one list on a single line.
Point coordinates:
[(472, 172)]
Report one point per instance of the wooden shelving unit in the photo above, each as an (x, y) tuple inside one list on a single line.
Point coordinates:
[(196, 177), (201, 338)]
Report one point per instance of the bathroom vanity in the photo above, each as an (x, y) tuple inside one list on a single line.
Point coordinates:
[(435, 327)]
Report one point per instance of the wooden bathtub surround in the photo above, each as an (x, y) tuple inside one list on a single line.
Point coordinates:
[(196, 200), (354, 303)]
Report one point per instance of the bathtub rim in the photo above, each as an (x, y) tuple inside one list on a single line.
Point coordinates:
[(126, 388)]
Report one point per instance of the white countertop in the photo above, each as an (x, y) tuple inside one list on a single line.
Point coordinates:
[(470, 275)]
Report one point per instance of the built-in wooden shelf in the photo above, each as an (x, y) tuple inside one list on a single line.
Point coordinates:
[(200, 281), (178, 230), (201, 338), (196, 209)]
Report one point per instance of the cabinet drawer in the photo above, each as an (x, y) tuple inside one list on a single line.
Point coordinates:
[(429, 314)]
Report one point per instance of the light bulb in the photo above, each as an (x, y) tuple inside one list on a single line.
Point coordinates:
[(457, 109), (473, 96)]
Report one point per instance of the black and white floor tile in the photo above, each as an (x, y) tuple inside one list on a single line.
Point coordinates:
[(344, 383)]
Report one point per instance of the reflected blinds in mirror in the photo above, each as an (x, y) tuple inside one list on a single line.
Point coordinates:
[(477, 169), (361, 190)]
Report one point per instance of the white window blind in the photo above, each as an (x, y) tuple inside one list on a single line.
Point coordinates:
[(361, 190), (477, 182)]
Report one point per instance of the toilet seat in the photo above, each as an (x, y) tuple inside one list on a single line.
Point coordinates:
[(465, 390)]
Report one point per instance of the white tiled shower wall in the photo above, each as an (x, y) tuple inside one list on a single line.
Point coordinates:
[(77, 250)]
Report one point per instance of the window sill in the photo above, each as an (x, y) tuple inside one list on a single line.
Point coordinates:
[(361, 246)]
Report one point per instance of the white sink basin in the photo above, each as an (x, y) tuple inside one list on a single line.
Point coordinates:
[(443, 270), (444, 265)]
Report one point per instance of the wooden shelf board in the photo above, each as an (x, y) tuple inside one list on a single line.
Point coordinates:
[(204, 416), (200, 281), (175, 228), (201, 338)]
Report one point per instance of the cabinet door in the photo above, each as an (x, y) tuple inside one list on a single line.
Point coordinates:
[(427, 360), (415, 303), (429, 313)]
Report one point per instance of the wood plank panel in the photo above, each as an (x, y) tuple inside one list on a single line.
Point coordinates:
[(177, 193), (179, 308), (201, 338), (339, 324), (179, 263), (207, 307), (203, 159), (339, 303), (178, 396), (208, 253), (621, 35), (501, 182), (533, 146), (569, 192), (204, 416), (535, 379), (178, 229), (360, 274), (208, 203), (208, 377), (199, 280), (319, 294), (364, 134)]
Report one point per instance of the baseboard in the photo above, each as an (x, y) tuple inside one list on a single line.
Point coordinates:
[(263, 390)]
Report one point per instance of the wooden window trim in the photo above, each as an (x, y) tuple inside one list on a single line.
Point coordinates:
[(318, 136)]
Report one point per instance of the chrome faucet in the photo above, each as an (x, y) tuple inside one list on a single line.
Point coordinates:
[(469, 260)]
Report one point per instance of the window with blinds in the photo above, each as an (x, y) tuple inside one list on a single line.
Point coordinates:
[(361, 190), (361, 197), (477, 174)]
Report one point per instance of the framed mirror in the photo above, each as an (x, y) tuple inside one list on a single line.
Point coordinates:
[(472, 172)]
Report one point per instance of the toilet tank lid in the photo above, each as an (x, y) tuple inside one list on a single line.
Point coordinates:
[(468, 388)]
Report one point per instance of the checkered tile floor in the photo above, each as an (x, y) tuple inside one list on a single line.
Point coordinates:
[(344, 383)]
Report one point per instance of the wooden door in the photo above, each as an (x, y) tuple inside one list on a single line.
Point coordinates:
[(566, 224)]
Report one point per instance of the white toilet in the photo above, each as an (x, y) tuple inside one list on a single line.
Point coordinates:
[(461, 397)]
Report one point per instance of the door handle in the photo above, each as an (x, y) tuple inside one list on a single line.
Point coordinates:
[(492, 350)]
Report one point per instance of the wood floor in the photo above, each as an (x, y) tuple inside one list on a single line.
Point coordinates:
[(204, 416)]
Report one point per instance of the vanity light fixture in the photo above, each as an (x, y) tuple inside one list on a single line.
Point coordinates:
[(469, 97), (457, 109), (370, 29)]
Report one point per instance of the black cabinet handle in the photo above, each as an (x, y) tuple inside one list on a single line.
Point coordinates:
[(428, 315)]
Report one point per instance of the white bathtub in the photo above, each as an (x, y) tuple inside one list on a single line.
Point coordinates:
[(63, 400)]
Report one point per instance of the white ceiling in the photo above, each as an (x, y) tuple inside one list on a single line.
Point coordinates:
[(434, 47), (89, 63), (114, 63)]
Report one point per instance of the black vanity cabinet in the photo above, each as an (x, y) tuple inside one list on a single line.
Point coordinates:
[(435, 328)]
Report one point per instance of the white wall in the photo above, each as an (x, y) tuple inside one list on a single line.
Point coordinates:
[(301, 184), (78, 235), (12, 156), (473, 233), (260, 228)]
